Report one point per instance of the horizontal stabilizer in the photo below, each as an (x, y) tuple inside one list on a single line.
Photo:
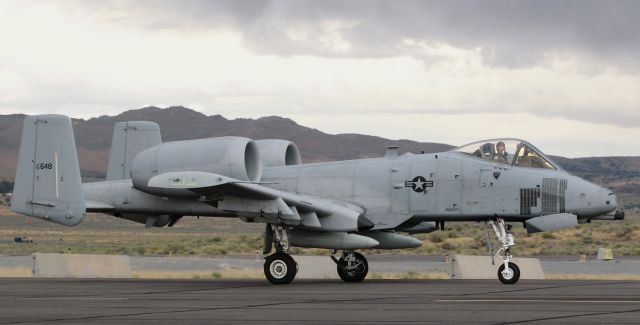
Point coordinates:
[(48, 184)]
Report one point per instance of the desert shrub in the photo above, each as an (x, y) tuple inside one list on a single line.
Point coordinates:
[(548, 235)]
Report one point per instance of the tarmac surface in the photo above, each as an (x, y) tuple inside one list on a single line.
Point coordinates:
[(33, 300)]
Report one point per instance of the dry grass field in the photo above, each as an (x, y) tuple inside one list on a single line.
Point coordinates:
[(102, 234)]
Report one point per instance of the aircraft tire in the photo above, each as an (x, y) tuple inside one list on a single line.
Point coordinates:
[(515, 276), (280, 268), (356, 275)]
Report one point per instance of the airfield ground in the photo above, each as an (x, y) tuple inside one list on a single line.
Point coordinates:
[(25, 301), (101, 234), (228, 248), (405, 286)]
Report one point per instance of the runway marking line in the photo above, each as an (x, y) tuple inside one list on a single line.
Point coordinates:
[(70, 298), (540, 300)]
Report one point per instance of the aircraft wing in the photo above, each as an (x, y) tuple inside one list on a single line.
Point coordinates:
[(253, 199)]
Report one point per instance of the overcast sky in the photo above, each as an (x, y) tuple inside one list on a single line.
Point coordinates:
[(564, 75)]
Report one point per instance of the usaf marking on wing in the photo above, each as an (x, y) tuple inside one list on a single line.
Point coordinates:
[(342, 206)]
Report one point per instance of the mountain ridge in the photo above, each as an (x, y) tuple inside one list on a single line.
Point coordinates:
[(93, 136), (93, 140)]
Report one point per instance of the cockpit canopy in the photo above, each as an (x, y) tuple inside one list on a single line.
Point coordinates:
[(513, 152)]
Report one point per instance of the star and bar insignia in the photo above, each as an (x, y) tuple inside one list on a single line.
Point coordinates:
[(419, 184)]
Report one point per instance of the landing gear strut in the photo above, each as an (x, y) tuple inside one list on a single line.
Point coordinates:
[(279, 267), (352, 266), (508, 272)]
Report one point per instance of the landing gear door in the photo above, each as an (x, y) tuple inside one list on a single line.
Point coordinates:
[(487, 190)]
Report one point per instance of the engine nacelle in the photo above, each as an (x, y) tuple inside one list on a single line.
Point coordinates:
[(234, 157), (276, 152)]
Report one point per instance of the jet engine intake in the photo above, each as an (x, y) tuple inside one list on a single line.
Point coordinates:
[(276, 152), (234, 157)]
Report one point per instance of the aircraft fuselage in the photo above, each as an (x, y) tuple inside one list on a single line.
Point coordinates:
[(392, 190)]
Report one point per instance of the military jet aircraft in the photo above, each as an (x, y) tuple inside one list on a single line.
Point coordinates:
[(343, 205)]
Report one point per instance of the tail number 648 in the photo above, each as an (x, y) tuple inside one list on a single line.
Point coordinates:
[(44, 165)]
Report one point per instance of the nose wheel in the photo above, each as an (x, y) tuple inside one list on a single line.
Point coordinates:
[(508, 272)]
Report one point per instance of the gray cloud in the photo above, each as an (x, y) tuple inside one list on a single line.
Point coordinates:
[(512, 34)]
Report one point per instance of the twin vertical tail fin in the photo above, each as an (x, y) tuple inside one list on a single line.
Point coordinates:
[(48, 184), (129, 139)]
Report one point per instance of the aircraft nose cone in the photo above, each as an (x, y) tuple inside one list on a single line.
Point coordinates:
[(611, 200), (364, 223), (619, 214)]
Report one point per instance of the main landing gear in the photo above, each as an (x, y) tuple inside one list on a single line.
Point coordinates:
[(352, 266), (508, 272), (281, 268)]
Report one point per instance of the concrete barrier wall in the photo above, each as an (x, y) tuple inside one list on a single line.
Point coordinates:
[(81, 266), (321, 267), (315, 267), (479, 267)]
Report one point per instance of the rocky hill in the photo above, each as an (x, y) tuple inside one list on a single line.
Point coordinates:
[(93, 137)]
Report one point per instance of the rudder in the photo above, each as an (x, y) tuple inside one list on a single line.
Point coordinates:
[(48, 184), (129, 139)]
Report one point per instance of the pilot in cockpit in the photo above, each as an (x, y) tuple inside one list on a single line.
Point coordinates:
[(501, 154)]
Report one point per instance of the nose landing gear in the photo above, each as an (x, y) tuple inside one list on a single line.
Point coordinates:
[(508, 272)]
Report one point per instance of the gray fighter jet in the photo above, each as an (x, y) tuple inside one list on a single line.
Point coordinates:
[(343, 205)]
